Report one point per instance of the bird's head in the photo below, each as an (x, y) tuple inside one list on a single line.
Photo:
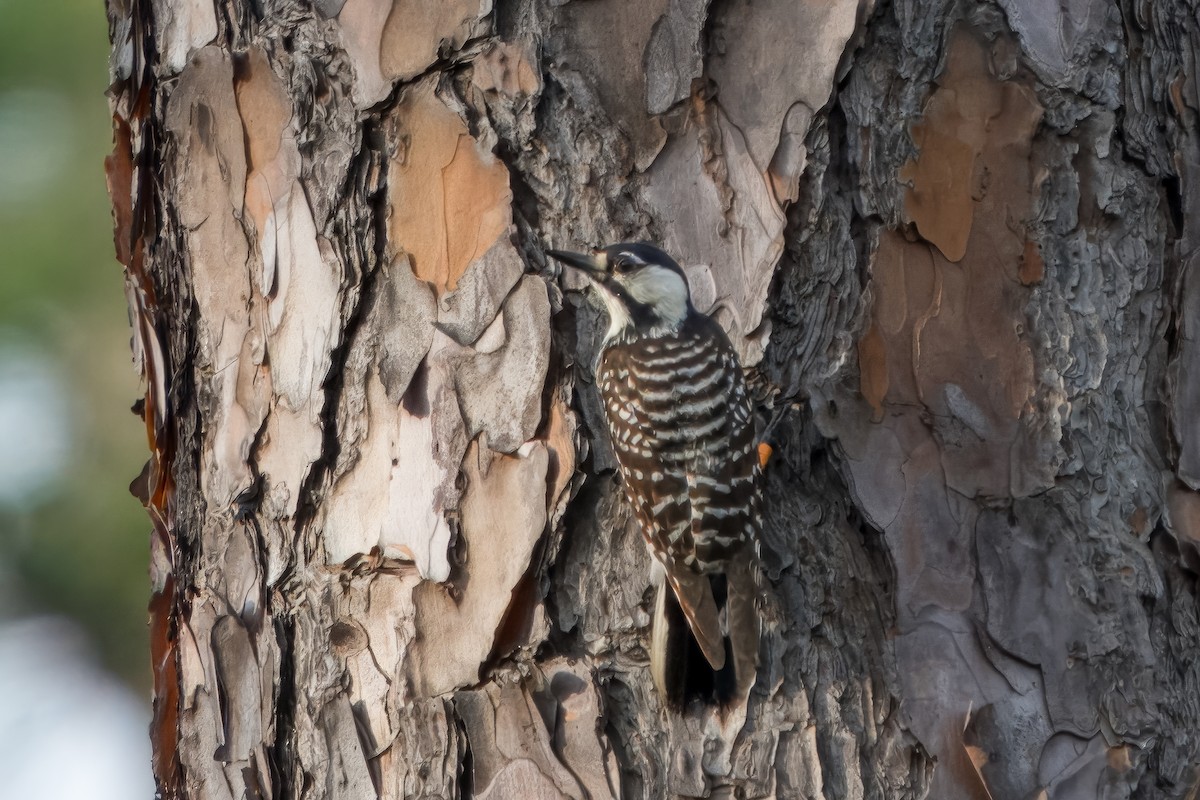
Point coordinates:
[(643, 289)]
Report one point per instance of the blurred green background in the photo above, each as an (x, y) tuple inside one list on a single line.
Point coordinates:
[(72, 539)]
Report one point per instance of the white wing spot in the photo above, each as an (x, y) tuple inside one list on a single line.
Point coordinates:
[(661, 505)]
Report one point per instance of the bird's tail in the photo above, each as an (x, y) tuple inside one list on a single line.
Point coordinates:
[(680, 670)]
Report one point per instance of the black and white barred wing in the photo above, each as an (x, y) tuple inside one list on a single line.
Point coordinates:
[(723, 482)]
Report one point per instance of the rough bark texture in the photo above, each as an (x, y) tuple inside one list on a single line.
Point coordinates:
[(390, 556)]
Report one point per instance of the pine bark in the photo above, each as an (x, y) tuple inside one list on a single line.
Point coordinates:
[(390, 557)]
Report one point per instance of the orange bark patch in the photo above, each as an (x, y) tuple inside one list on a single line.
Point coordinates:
[(450, 198), (938, 199), (1033, 268), (1119, 760), (560, 442), (873, 375), (1183, 507), (944, 339), (118, 172), (971, 112), (266, 112), (415, 30), (166, 684), (506, 69), (264, 108)]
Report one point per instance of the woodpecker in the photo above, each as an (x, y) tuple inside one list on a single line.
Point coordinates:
[(682, 427)]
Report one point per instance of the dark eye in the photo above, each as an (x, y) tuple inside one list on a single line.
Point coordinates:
[(621, 265)]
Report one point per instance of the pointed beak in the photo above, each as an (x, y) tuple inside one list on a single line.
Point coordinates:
[(592, 266)]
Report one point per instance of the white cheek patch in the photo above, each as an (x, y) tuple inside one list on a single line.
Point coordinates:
[(618, 314), (662, 289)]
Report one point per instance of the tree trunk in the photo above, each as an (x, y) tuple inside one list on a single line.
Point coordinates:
[(390, 557)]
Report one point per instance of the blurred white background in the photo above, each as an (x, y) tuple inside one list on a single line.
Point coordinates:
[(68, 730), (74, 657)]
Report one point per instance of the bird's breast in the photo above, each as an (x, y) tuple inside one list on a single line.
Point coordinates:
[(671, 395)]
